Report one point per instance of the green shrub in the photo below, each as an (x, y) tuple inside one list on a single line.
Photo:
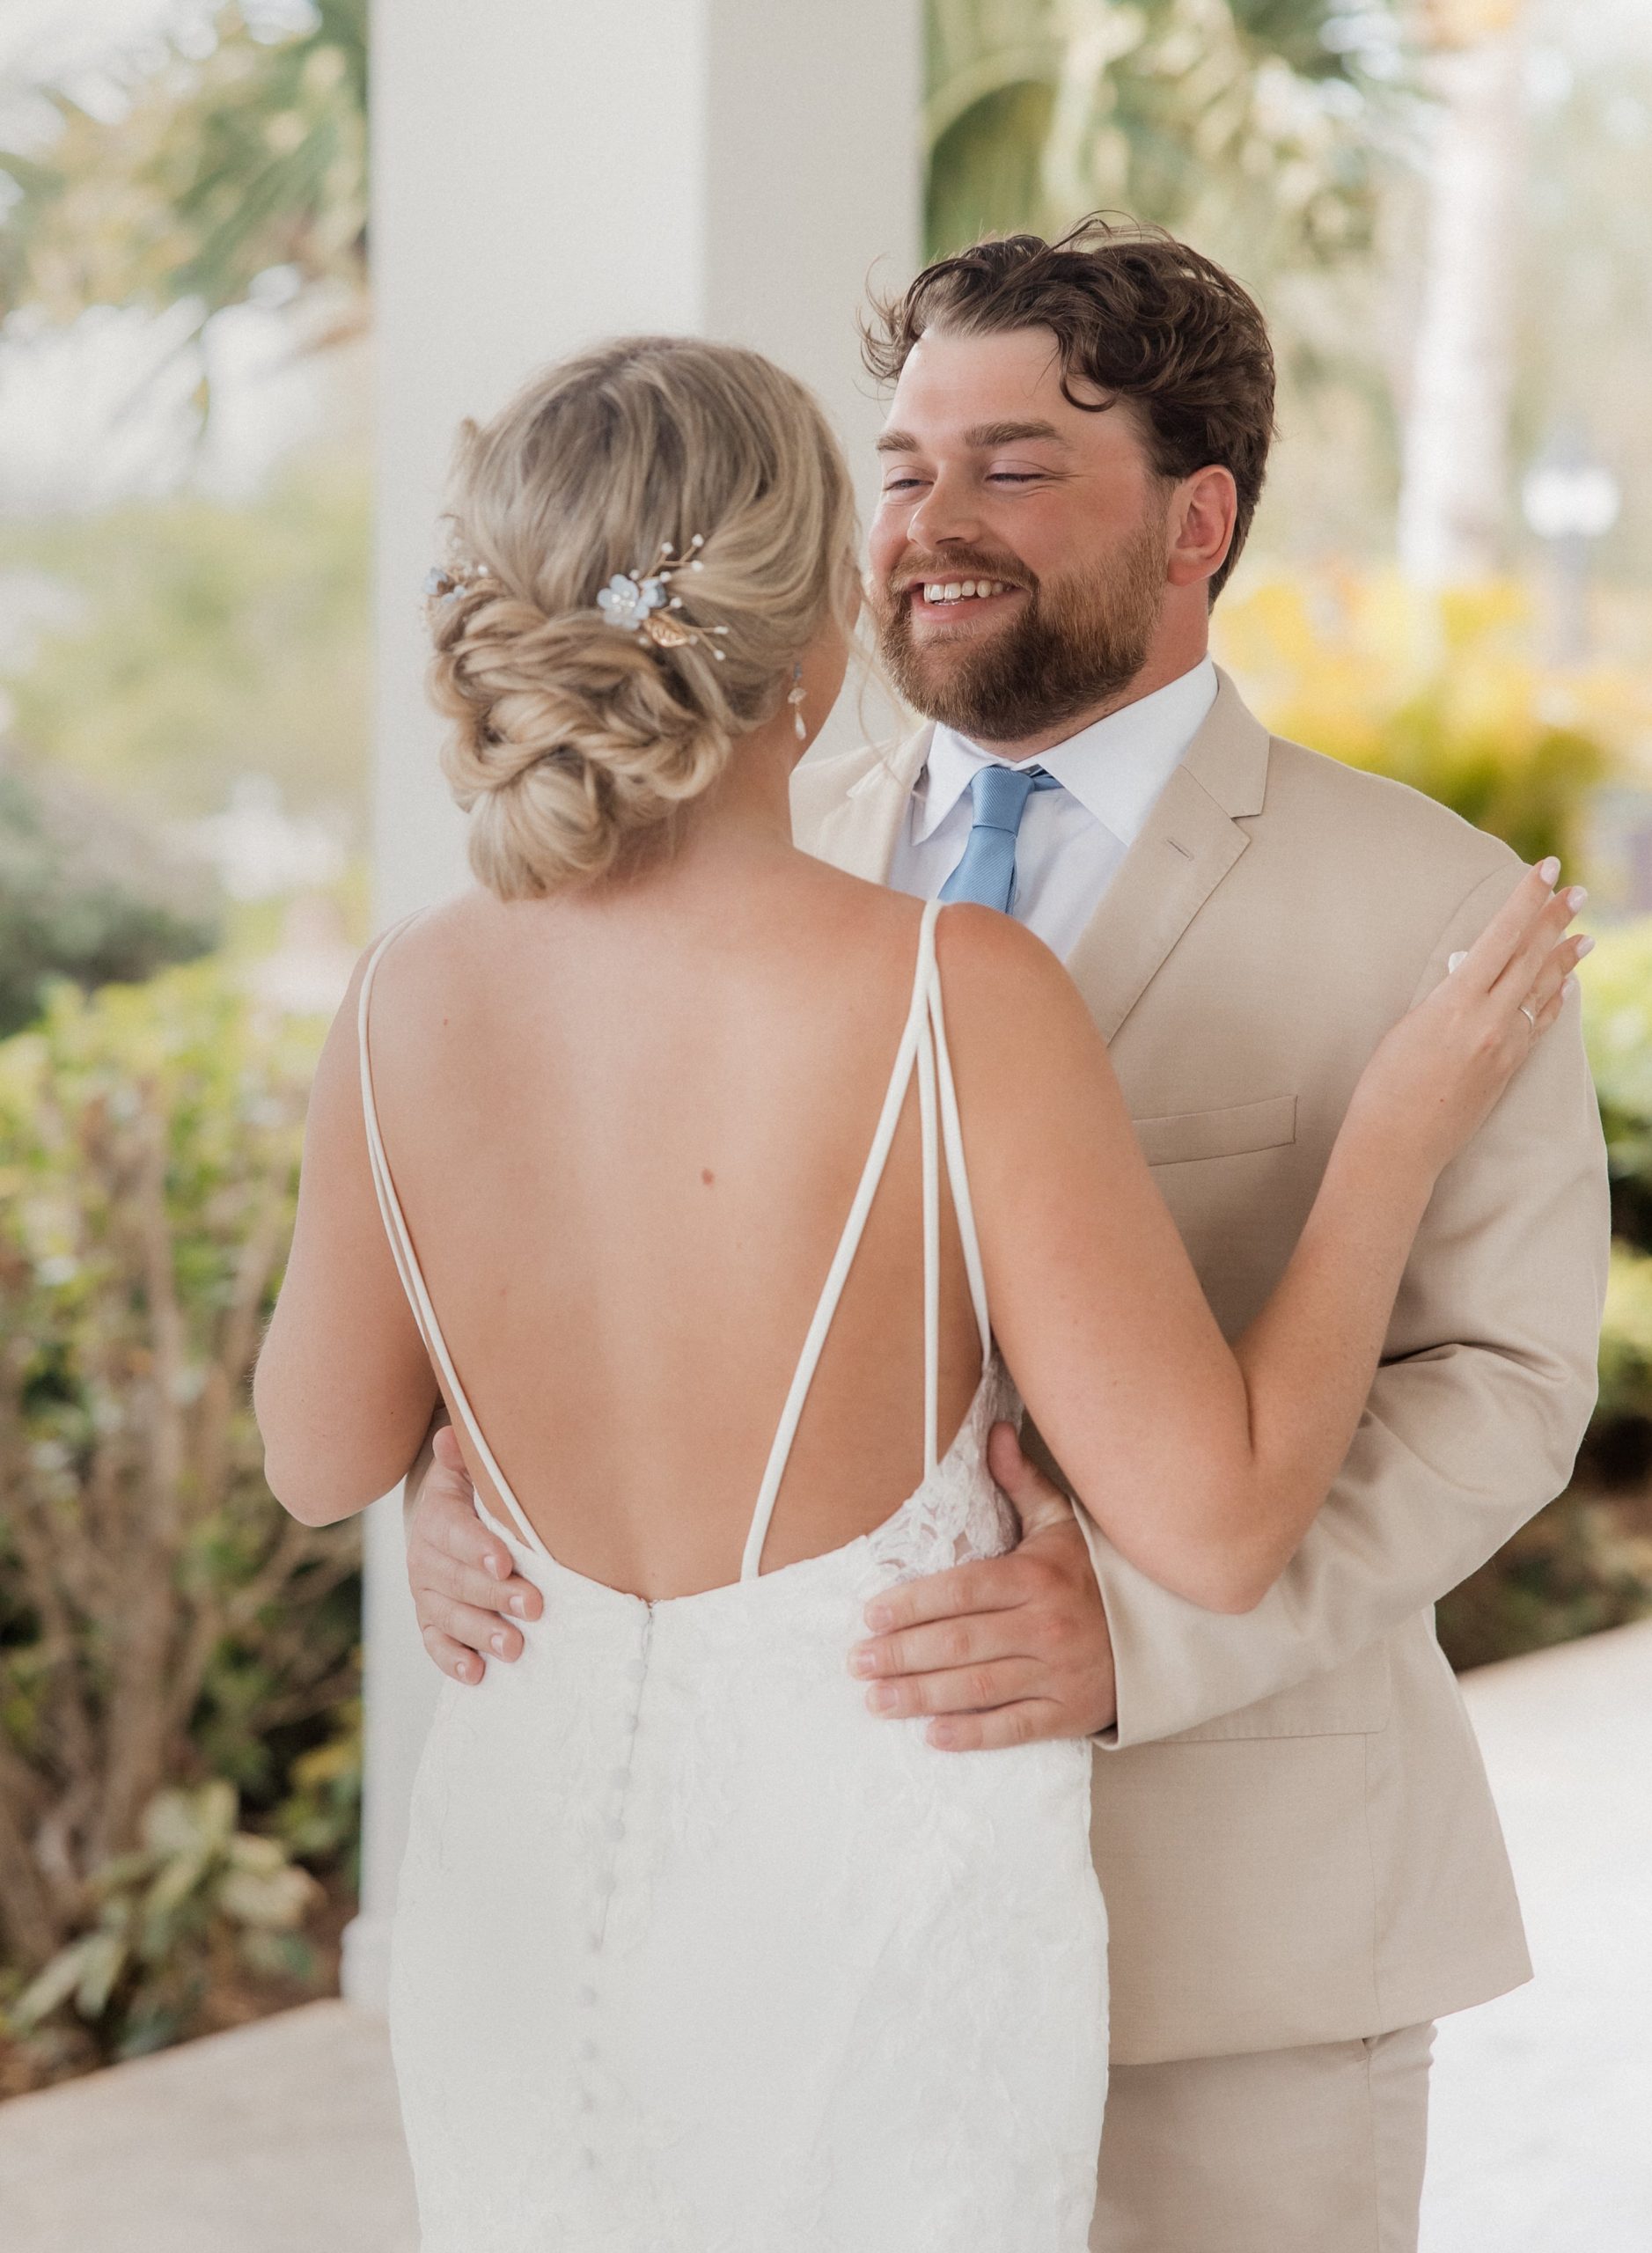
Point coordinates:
[(1626, 1339), (1440, 692), (86, 894), (193, 1884), (1616, 981), (162, 1622)]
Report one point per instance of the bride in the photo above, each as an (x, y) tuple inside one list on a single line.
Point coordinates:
[(750, 1199)]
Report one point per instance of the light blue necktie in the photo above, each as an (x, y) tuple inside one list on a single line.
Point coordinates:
[(986, 873)]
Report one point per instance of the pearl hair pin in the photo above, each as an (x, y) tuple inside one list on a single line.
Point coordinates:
[(639, 601)]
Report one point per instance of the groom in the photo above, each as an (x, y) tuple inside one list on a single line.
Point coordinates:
[(1298, 1850)]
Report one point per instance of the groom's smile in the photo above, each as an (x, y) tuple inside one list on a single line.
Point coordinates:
[(949, 596)]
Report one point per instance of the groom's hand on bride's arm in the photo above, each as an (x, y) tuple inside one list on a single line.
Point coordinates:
[(1001, 1650), (463, 1580)]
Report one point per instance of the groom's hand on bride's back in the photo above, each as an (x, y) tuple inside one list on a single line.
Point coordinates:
[(1003, 1650), (463, 1580)]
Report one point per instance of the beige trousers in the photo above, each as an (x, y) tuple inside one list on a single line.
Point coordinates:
[(1318, 2150)]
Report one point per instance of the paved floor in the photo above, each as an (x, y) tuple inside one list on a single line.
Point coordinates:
[(282, 2137), (1542, 2128)]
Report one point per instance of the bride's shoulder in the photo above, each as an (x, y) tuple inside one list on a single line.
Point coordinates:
[(990, 960), (1015, 1020), (416, 957)]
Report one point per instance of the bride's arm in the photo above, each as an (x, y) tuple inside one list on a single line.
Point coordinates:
[(343, 1391), (1204, 1463)]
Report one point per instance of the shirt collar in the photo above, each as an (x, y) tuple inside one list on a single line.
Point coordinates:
[(1116, 767)]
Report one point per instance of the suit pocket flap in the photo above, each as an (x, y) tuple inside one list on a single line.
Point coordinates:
[(1183, 1135)]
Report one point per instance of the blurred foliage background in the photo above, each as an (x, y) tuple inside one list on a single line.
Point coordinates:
[(1448, 581)]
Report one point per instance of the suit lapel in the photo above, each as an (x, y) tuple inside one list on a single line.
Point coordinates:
[(859, 832), (1190, 841)]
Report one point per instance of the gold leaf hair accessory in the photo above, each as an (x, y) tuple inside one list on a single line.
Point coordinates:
[(639, 601)]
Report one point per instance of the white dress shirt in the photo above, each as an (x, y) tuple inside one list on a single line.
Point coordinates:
[(1072, 840)]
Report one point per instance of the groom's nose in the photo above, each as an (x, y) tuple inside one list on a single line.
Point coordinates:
[(948, 511)]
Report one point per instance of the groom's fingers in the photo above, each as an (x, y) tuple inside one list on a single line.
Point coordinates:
[(959, 1689), (467, 1623), (984, 1584), (456, 1659), (1027, 1629), (959, 1640), (1022, 1723)]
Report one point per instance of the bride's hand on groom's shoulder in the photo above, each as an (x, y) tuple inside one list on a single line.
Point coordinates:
[(1003, 1650), (463, 1580), (1436, 1074)]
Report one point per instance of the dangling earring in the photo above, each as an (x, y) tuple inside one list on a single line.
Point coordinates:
[(794, 698)]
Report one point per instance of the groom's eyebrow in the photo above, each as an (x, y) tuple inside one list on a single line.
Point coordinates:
[(981, 440), (987, 434)]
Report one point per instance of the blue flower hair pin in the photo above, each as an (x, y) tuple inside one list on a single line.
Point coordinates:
[(639, 601)]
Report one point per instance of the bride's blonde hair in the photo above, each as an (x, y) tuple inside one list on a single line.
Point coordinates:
[(575, 741)]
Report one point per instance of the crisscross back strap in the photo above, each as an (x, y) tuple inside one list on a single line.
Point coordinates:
[(406, 1259), (923, 1048)]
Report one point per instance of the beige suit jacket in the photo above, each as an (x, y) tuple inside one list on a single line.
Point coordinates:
[(1291, 1820)]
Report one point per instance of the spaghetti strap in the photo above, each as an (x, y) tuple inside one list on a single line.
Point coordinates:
[(922, 1047), (408, 1260)]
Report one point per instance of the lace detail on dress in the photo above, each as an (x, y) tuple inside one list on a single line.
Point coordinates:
[(958, 1513)]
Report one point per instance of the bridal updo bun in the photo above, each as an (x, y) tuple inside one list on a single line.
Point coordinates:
[(575, 741)]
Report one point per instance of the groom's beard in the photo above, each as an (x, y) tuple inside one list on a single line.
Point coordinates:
[(1074, 644)]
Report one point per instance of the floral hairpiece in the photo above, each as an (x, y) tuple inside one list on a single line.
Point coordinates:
[(638, 601), (445, 585)]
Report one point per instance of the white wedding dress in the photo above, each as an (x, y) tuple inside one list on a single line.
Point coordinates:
[(692, 1953)]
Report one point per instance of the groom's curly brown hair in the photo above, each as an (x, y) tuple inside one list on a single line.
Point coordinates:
[(1136, 315)]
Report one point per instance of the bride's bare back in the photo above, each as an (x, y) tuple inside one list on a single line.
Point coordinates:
[(625, 1134)]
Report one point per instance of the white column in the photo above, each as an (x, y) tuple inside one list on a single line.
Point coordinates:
[(546, 172), (1455, 472)]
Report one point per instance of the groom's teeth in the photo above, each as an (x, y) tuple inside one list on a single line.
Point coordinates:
[(937, 591)]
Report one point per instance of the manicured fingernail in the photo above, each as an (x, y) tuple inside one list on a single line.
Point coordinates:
[(494, 1566), (462, 1667), (875, 1615), (1549, 869), (1453, 960), (939, 1734), (498, 1643), (862, 1660), (881, 1697), (1585, 945), (1568, 985), (1575, 898), (519, 1604)]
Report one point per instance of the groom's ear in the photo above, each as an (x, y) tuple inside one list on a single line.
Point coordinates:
[(1203, 511)]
